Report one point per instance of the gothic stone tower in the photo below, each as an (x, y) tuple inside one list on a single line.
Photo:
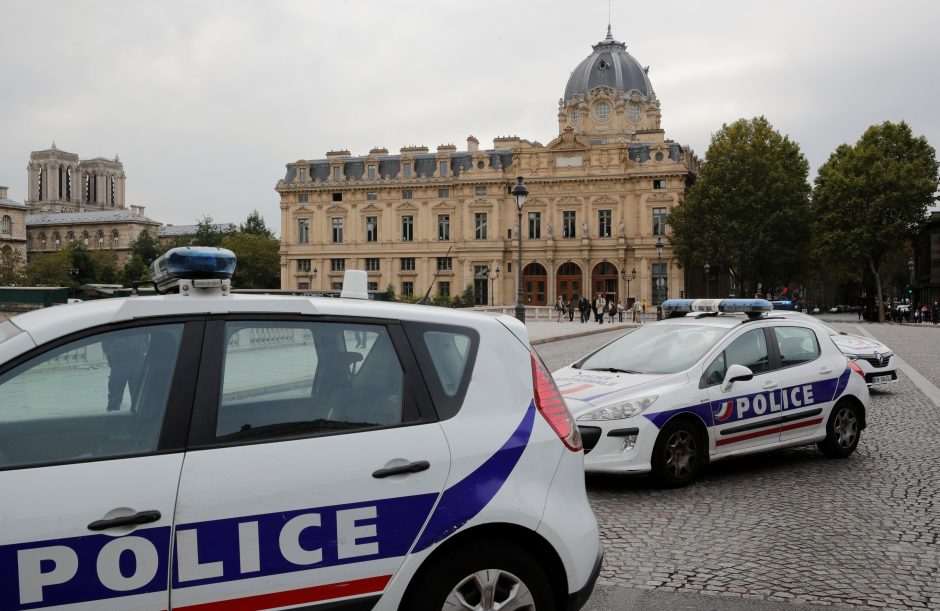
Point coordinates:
[(60, 182)]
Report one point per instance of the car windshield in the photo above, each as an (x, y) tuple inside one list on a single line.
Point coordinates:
[(662, 348)]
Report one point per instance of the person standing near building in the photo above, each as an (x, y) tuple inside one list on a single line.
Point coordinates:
[(583, 307), (571, 311), (643, 313), (637, 311), (600, 305), (560, 308)]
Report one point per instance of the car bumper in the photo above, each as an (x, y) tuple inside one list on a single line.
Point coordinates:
[(878, 375), (618, 446), (577, 600)]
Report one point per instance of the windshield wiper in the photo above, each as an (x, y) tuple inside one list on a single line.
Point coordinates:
[(613, 370)]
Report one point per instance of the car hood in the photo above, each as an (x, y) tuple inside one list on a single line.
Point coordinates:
[(857, 344), (584, 390)]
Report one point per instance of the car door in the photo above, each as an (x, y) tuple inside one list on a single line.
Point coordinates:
[(314, 463), (743, 413), (807, 382), (90, 460)]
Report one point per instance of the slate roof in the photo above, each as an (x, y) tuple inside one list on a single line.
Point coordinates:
[(173, 231), (389, 166), (120, 215), (609, 66), (9, 203)]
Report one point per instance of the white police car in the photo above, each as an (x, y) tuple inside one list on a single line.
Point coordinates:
[(669, 396), (876, 360), (212, 451)]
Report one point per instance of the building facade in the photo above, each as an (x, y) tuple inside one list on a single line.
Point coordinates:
[(12, 232), (599, 195), (72, 200)]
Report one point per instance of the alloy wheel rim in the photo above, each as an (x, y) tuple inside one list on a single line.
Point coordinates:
[(490, 590), (845, 427), (680, 453)]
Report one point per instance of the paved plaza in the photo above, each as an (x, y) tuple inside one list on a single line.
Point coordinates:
[(790, 529)]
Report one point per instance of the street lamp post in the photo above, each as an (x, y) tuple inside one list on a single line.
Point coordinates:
[(491, 276), (910, 266), (519, 191), (707, 268), (660, 282)]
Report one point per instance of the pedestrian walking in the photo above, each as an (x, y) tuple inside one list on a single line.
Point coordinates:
[(560, 308), (620, 311), (583, 307), (571, 311), (637, 311), (600, 304), (643, 313)]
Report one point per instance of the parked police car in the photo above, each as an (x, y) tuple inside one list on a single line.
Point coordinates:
[(706, 384), (876, 360), (211, 451)]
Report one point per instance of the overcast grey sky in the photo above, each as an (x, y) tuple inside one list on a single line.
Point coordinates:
[(206, 101)]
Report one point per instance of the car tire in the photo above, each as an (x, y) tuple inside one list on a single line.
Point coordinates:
[(677, 455), (843, 431), (462, 578)]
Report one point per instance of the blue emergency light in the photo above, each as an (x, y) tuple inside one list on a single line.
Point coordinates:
[(681, 307), (202, 266)]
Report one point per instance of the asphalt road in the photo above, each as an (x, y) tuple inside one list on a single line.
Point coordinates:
[(788, 530)]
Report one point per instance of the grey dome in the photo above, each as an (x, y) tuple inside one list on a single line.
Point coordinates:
[(609, 66)]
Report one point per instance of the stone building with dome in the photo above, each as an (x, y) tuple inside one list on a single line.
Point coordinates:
[(599, 195)]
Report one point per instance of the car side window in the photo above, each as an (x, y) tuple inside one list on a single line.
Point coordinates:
[(284, 379), (97, 397), (715, 374), (449, 353), (797, 345), (749, 350)]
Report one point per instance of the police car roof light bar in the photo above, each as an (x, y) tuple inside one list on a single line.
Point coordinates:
[(673, 308), (198, 267)]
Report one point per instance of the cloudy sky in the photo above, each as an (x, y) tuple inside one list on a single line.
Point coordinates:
[(205, 102)]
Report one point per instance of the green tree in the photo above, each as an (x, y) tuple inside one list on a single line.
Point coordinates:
[(147, 247), (259, 260), (871, 199), (749, 209), (208, 233), (82, 265), (254, 225), (12, 272), (134, 270), (50, 269)]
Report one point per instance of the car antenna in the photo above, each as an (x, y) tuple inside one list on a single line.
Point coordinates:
[(424, 299)]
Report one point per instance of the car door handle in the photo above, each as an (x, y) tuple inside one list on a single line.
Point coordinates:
[(412, 467), (824, 370), (769, 385), (141, 517)]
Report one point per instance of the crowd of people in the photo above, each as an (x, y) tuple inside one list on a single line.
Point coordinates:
[(599, 308), (913, 313)]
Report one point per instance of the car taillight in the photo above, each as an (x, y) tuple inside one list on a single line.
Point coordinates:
[(857, 369), (551, 405)]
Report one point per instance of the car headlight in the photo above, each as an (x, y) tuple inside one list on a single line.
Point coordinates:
[(619, 411)]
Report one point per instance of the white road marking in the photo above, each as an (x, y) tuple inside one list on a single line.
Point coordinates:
[(925, 385)]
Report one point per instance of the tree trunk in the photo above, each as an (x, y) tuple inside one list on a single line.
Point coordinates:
[(881, 303)]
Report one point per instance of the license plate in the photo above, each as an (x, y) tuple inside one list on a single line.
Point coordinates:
[(880, 379)]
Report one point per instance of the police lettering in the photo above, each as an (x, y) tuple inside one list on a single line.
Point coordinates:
[(760, 404), (40, 568)]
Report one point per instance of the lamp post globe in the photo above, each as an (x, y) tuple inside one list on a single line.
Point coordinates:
[(707, 269), (519, 191)]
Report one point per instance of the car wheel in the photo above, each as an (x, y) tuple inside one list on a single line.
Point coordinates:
[(677, 455), (487, 575), (842, 431)]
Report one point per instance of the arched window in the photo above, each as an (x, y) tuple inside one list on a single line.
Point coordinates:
[(56, 241), (70, 236), (42, 241), (6, 226), (29, 241), (100, 239), (85, 238), (115, 239)]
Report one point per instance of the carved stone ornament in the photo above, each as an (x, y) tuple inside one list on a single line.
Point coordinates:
[(659, 197), (336, 210)]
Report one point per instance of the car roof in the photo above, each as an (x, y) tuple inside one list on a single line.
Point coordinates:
[(49, 323)]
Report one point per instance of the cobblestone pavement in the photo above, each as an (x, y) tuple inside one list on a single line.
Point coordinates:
[(791, 525)]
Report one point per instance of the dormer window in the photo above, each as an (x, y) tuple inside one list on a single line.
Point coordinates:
[(406, 170), (302, 174), (371, 172), (442, 168), (336, 173)]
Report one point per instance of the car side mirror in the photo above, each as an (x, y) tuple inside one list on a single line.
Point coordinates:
[(736, 373)]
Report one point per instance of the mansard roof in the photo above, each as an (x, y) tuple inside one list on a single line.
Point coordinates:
[(97, 217)]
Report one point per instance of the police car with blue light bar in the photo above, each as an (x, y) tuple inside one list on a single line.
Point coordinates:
[(205, 450), (717, 378)]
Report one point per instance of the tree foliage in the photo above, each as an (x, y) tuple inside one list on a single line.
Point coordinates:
[(259, 260), (870, 199), (208, 233), (50, 269), (146, 247), (254, 225), (749, 209)]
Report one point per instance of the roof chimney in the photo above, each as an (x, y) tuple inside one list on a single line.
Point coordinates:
[(3, 192), (473, 145)]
